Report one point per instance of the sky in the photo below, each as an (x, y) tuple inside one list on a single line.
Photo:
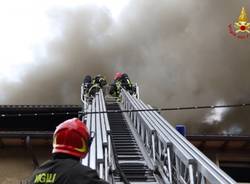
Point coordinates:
[(179, 52)]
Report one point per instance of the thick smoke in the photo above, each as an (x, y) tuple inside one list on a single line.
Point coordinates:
[(179, 52)]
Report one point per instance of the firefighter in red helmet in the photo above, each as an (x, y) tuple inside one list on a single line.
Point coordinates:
[(71, 143), (121, 80), (118, 75)]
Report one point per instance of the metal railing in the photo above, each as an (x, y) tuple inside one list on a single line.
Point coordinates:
[(99, 155), (176, 159)]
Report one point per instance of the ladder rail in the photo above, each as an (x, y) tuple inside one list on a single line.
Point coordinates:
[(184, 156), (143, 127), (202, 166), (99, 155)]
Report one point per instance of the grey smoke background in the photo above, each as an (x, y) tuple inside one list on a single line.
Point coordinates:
[(179, 52)]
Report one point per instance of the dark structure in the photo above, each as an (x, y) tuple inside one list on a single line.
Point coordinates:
[(229, 152), (31, 123), (35, 117)]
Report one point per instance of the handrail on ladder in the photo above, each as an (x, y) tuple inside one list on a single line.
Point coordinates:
[(178, 160)]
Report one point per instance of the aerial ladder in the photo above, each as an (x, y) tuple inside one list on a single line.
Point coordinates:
[(135, 144)]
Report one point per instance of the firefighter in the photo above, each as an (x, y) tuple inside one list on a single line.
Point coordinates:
[(97, 83), (71, 143), (126, 83), (115, 86), (87, 83), (121, 80)]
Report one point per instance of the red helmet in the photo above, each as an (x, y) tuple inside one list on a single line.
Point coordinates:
[(118, 75), (71, 137)]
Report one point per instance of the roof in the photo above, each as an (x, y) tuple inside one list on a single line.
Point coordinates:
[(39, 121), (221, 142), (35, 117)]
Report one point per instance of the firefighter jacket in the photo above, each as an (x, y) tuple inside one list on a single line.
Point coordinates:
[(93, 90), (99, 80), (96, 84), (122, 82), (115, 89), (65, 171)]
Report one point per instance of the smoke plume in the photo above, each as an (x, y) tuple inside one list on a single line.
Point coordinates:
[(179, 52)]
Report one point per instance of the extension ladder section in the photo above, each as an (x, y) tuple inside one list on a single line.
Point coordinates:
[(177, 160), (142, 147), (99, 154), (126, 150)]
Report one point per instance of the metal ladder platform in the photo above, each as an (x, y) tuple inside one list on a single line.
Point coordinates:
[(128, 153), (135, 144)]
